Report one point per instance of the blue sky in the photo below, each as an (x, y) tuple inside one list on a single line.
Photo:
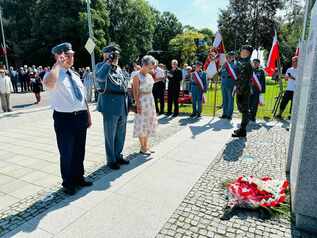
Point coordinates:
[(198, 13)]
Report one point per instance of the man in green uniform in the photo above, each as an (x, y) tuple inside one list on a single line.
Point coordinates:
[(243, 88), (257, 88)]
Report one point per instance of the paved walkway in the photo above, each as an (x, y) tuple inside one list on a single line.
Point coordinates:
[(134, 202), (177, 192), (29, 164), (22, 101), (263, 154)]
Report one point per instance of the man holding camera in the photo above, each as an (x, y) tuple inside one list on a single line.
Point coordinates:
[(290, 76), (71, 117), (112, 88)]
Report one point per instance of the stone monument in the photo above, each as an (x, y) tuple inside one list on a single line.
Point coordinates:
[(303, 141)]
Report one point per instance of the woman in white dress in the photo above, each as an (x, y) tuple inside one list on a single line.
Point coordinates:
[(145, 121)]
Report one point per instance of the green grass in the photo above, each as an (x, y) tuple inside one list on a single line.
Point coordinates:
[(264, 112)]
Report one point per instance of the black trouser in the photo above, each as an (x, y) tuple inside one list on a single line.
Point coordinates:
[(243, 107), (71, 133), (173, 96), (15, 86), (23, 86), (288, 96), (253, 105), (158, 93)]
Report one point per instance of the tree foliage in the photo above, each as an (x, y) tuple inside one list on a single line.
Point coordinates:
[(249, 21), (290, 28), (184, 46), (32, 27)]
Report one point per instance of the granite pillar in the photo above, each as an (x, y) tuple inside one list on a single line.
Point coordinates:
[(303, 151)]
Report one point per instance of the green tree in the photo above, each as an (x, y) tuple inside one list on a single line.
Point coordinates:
[(184, 46), (167, 27), (34, 27), (132, 27), (18, 21), (290, 28), (249, 21), (100, 21)]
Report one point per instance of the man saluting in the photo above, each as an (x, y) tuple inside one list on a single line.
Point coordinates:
[(71, 117)]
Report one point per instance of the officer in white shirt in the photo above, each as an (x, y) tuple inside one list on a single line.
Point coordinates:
[(71, 117), (5, 90), (291, 77)]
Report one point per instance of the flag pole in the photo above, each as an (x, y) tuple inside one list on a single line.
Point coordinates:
[(215, 95)]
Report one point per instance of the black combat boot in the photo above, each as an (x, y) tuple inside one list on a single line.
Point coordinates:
[(239, 133)]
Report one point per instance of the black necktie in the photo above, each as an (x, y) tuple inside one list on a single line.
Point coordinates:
[(75, 87)]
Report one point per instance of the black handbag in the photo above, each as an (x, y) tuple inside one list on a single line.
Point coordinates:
[(131, 103)]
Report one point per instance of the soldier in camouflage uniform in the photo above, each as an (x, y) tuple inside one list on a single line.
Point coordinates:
[(243, 88)]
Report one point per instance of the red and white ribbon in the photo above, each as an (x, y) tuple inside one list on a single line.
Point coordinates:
[(199, 82), (256, 82), (230, 71)]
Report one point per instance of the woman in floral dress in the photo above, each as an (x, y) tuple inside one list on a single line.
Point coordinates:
[(145, 121)]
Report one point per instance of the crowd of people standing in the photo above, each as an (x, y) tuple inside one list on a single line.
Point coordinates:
[(148, 84)]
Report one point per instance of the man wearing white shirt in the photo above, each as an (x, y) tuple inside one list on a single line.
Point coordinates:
[(5, 90), (291, 77), (71, 117)]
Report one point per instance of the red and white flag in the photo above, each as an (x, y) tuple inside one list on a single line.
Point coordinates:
[(273, 57), (220, 48), (256, 82), (212, 66), (230, 71)]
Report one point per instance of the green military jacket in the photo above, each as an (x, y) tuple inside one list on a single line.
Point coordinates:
[(245, 72)]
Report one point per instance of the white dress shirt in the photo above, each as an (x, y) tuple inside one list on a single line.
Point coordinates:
[(291, 83), (5, 85), (62, 96)]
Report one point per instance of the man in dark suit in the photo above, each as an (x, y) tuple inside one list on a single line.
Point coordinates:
[(174, 83)]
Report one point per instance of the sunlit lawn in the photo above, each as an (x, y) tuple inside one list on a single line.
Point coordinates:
[(265, 111)]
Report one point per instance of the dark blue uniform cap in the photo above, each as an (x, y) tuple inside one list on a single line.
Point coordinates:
[(248, 48), (199, 63), (112, 47), (231, 53), (62, 48)]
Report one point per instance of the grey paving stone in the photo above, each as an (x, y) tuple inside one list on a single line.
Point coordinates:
[(267, 146), (41, 175)]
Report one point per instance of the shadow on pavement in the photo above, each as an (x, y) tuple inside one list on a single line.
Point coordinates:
[(102, 178), (24, 105), (214, 124), (234, 149)]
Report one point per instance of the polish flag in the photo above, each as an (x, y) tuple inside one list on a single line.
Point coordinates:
[(230, 71), (273, 57), (212, 66), (256, 82), (220, 48)]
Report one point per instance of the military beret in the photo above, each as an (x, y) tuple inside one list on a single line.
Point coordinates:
[(62, 48), (199, 63), (112, 47), (231, 53), (247, 47), (257, 60)]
